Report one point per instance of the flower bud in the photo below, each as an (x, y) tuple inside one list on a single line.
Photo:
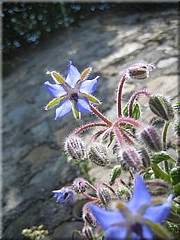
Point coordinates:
[(151, 138), (123, 193), (75, 148), (116, 172), (98, 154), (89, 218), (161, 106), (79, 185), (87, 232), (175, 175), (145, 158), (139, 70), (158, 187), (132, 159), (104, 195)]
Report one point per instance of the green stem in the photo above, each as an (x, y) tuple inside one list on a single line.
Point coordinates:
[(164, 143)]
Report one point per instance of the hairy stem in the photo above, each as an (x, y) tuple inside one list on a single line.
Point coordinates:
[(133, 98), (118, 135), (119, 95), (164, 144), (100, 115)]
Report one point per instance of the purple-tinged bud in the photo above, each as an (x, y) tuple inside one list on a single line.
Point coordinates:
[(131, 158), (89, 218), (104, 195), (161, 106), (151, 138), (145, 158), (123, 193), (75, 148), (87, 232), (79, 185), (158, 187), (98, 154), (139, 70), (116, 172)]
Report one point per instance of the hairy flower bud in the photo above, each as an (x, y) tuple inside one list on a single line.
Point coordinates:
[(98, 154), (79, 185), (75, 148), (158, 187), (151, 138), (123, 193), (161, 106), (89, 218), (104, 195), (130, 159), (116, 172), (87, 232), (139, 70), (146, 161)]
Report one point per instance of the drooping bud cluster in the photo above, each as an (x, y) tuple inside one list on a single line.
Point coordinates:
[(75, 148), (151, 138), (139, 70), (98, 154), (161, 106)]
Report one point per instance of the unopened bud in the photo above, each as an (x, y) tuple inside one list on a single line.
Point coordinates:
[(139, 70), (132, 158), (123, 193), (104, 195), (145, 158), (116, 172), (161, 106), (75, 148), (151, 138), (175, 175), (98, 154), (158, 187), (89, 218), (79, 185), (87, 232)]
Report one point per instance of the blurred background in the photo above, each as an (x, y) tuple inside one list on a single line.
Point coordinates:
[(43, 36)]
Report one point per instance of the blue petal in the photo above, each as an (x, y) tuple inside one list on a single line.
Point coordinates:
[(158, 214), (140, 196), (55, 90), (146, 232), (88, 86), (116, 233), (73, 75), (82, 105), (105, 218), (63, 108)]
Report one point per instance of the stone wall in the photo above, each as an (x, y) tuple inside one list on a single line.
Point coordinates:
[(33, 164)]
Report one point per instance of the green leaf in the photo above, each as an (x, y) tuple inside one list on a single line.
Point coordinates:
[(92, 98), (176, 189), (163, 156), (175, 175), (54, 102), (136, 113), (158, 229), (160, 173)]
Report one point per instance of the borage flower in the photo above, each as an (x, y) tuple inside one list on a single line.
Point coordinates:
[(64, 195), (73, 93), (139, 219)]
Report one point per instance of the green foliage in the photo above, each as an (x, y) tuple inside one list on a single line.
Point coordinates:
[(35, 232)]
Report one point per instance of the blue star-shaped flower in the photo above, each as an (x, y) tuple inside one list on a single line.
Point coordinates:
[(73, 93), (64, 195), (136, 219)]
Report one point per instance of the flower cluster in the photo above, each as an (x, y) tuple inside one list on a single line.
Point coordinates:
[(139, 150)]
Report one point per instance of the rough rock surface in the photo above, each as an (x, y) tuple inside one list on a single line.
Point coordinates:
[(33, 164)]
